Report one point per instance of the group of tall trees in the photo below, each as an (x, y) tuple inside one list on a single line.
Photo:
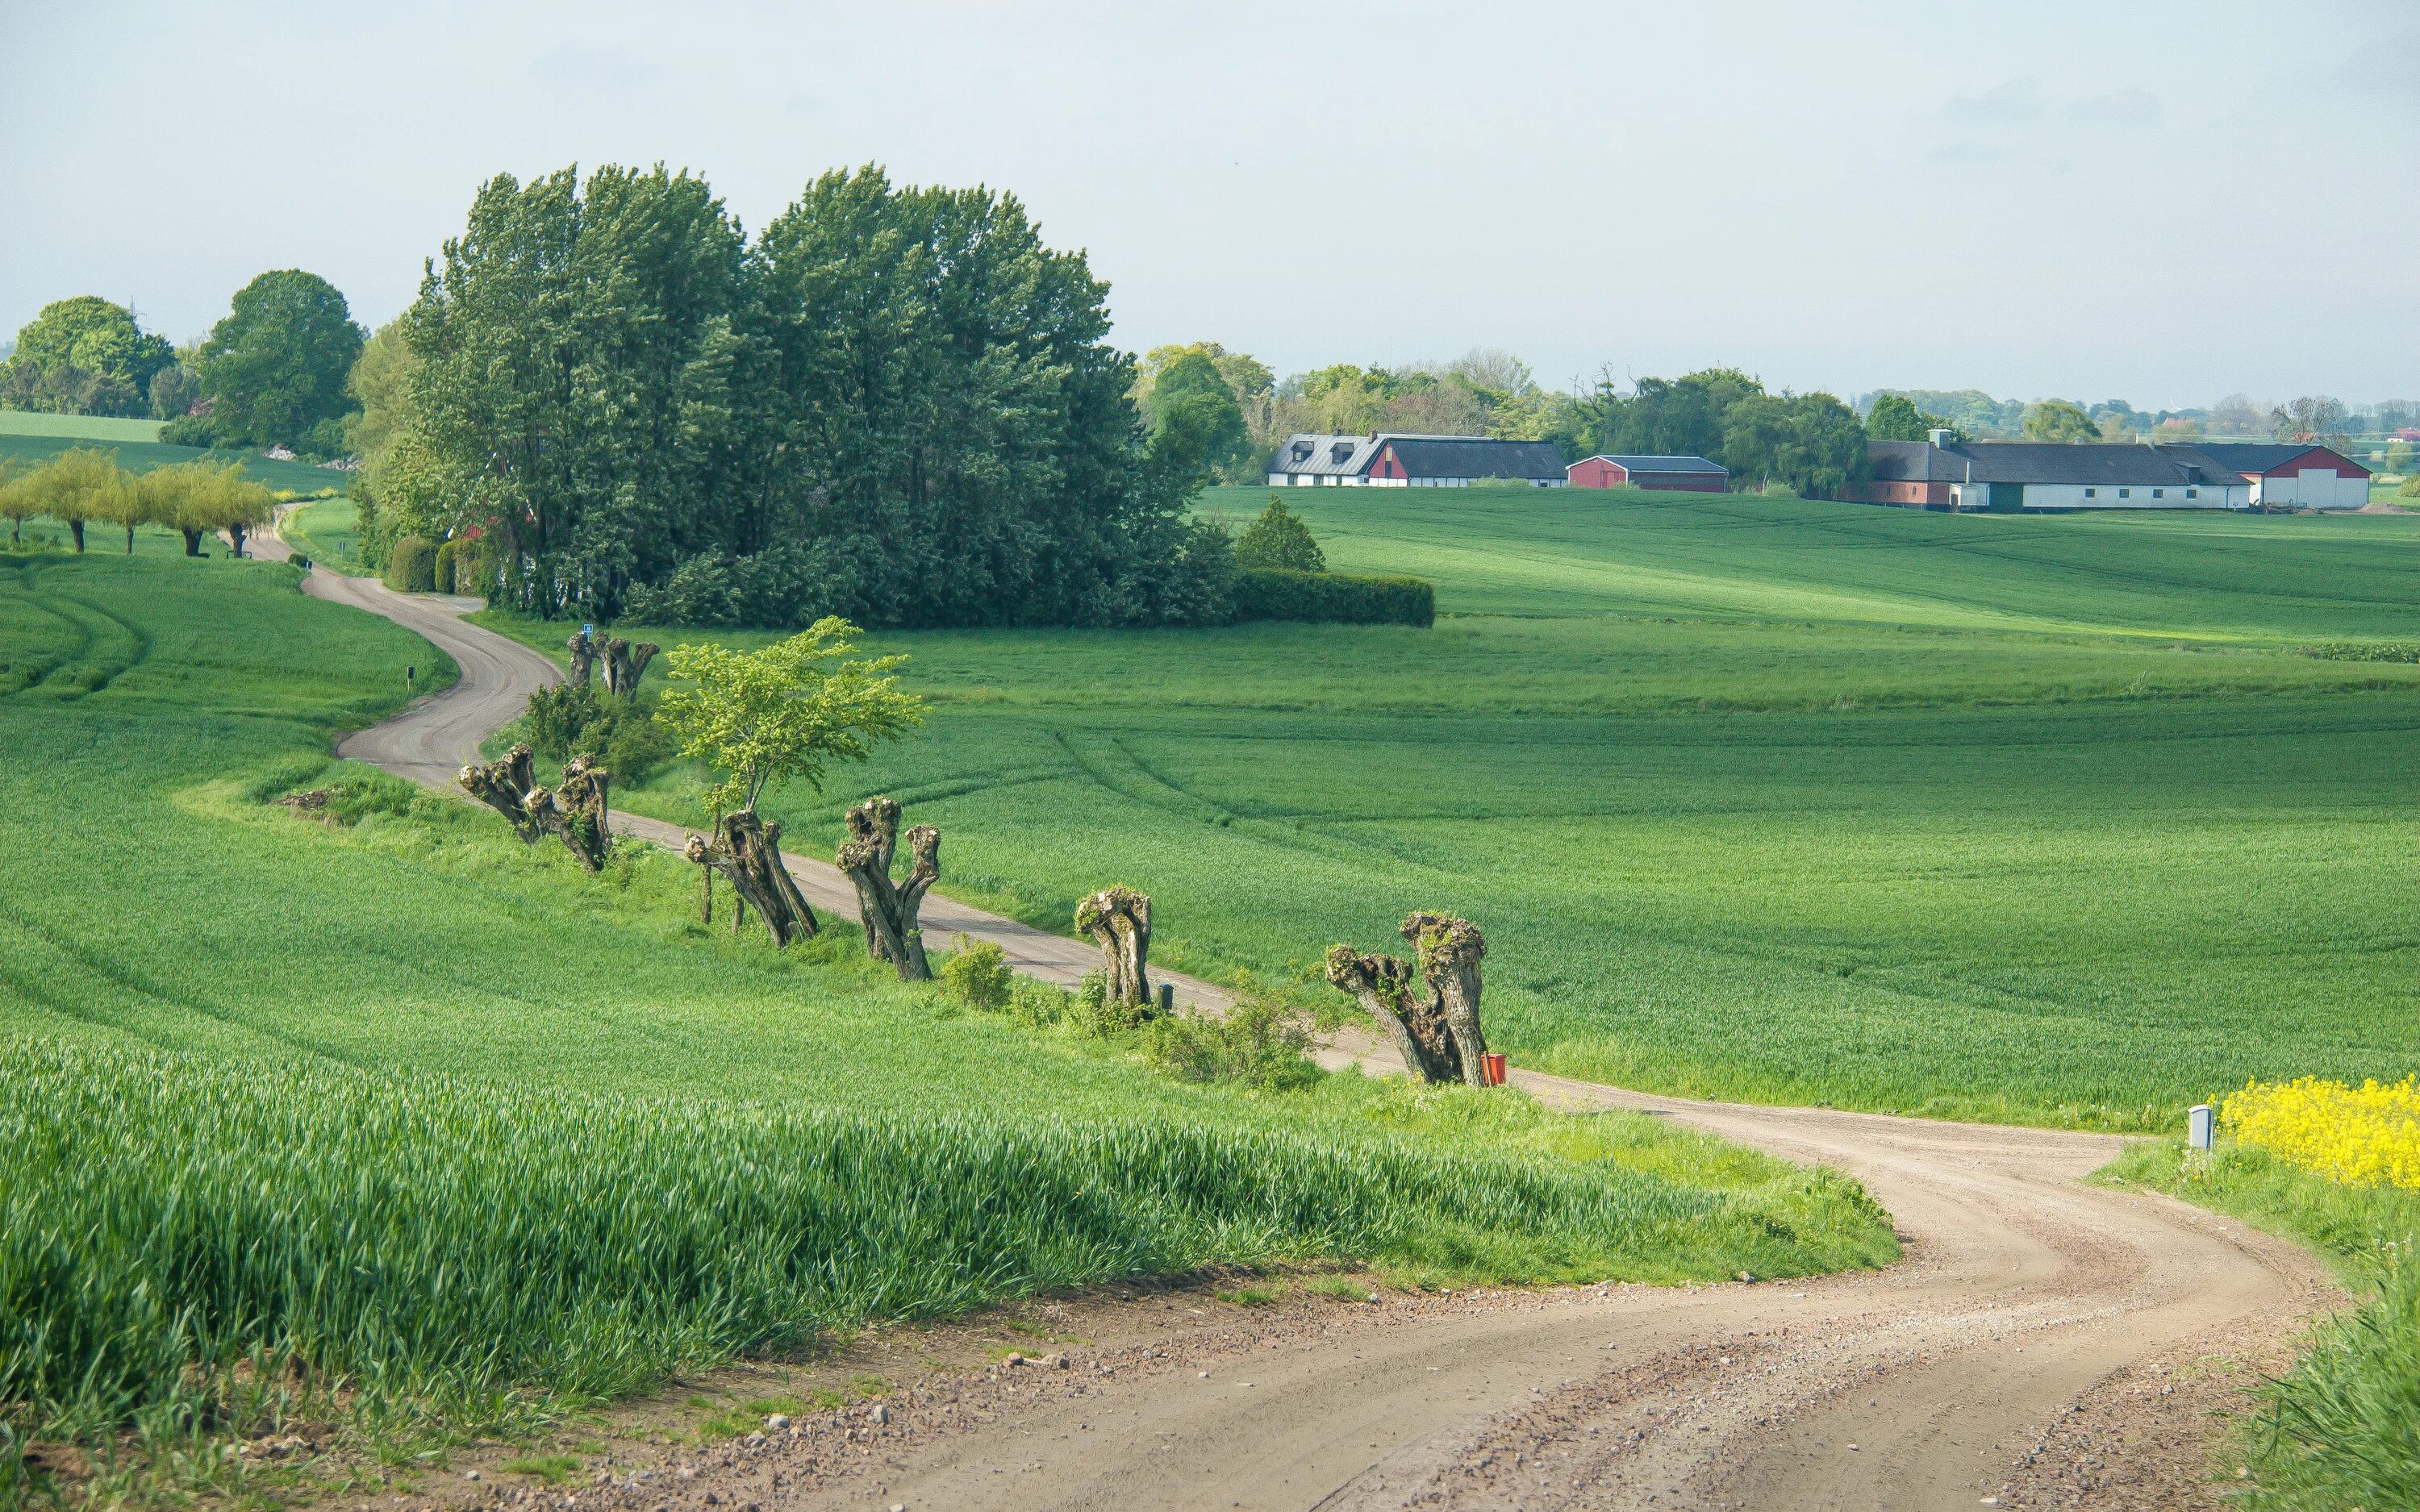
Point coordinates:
[(83, 486), (1810, 443), (272, 373), (894, 404)]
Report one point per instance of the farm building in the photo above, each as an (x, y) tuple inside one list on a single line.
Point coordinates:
[(2030, 475), (2294, 474), (1679, 474), (1399, 461)]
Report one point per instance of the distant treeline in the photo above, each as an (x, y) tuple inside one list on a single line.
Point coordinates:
[(895, 405)]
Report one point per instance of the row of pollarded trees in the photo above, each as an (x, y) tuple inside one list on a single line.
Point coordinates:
[(785, 713), (85, 485)]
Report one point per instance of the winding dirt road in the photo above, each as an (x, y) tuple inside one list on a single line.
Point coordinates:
[(2027, 1303)]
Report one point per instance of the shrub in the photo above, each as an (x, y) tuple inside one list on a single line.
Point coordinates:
[(1280, 540), (574, 719), (411, 566), (187, 430), (1037, 1005), (1333, 599), (446, 556), (977, 974), (1260, 1042)]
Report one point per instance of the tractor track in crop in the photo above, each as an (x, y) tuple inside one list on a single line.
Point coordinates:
[(2027, 1302)]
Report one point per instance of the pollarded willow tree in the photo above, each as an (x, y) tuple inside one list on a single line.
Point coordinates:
[(1118, 919), (889, 908), (622, 663), (1430, 1012), (781, 714), (574, 812)]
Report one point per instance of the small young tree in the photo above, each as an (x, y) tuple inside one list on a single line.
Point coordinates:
[(16, 499), (780, 715), (1281, 540)]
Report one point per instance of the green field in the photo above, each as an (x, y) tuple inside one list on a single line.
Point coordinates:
[(29, 437), (2044, 819), (329, 532), (468, 1133)]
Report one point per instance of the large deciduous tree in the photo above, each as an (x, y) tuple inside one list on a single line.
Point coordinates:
[(274, 368), (2056, 419), (84, 356), (1810, 443)]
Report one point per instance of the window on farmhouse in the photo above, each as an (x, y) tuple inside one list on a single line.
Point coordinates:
[(2091, 493), (1339, 452), (2193, 493), (2159, 493), (2125, 493)]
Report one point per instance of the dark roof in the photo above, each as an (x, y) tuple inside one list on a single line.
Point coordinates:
[(1663, 464), (2117, 464), (1475, 456), (2255, 458)]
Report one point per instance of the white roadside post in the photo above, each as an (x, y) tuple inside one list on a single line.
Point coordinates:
[(2201, 1127)]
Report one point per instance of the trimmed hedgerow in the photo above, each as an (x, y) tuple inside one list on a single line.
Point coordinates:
[(1333, 599), (411, 566)]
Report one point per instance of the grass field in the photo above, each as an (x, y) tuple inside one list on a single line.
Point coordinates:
[(30, 437), (328, 532), (467, 1133), (2046, 820)]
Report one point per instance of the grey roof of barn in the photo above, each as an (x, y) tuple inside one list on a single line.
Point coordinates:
[(2250, 457), (1342, 457), (2116, 464), (1475, 456), (1663, 464), (1423, 457)]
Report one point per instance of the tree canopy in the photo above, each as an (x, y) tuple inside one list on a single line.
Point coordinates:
[(2055, 420), (84, 356), (783, 713), (896, 405), (1896, 417), (1810, 443), (1279, 539), (274, 368), (1197, 426)]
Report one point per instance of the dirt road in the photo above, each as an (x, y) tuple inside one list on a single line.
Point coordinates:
[(1941, 1383)]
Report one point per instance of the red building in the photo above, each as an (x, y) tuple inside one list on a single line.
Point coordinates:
[(1677, 474)]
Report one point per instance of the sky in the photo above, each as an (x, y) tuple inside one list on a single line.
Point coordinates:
[(2163, 203)]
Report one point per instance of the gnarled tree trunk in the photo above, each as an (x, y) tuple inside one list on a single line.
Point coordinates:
[(890, 908), (583, 647), (625, 664), (1449, 952), (192, 540), (748, 852), (1119, 920), (1435, 1030), (1394, 1001), (575, 812)]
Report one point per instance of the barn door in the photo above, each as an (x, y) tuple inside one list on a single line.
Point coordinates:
[(2007, 498)]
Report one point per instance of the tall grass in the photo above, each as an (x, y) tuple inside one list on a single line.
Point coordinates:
[(2341, 1428), (440, 1240)]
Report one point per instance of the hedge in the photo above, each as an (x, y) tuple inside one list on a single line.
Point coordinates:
[(411, 566), (1333, 599), (447, 556)]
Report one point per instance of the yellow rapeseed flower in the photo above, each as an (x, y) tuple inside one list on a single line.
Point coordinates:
[(2368, 1136)]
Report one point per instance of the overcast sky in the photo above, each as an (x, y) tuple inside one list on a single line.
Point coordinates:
[(2157, 202)]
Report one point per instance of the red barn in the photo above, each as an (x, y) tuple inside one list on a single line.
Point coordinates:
[(1677, 474)]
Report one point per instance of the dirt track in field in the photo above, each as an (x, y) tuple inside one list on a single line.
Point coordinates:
[(2028, 1305)]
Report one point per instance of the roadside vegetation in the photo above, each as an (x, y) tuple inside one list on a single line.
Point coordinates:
[(2330, 1165), (2054, 821), (499, 1136)]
